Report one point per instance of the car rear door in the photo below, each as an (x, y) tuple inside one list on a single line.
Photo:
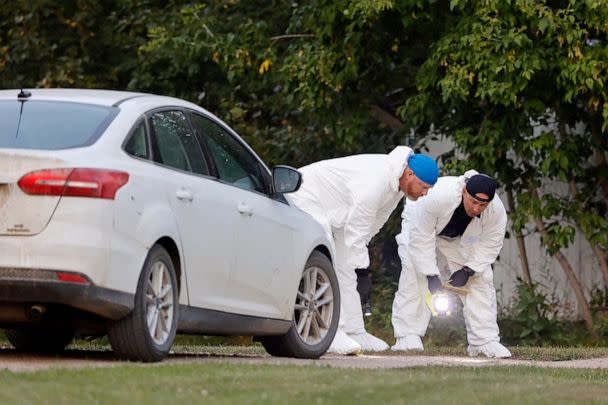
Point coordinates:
[(204, 212), (264, 238)]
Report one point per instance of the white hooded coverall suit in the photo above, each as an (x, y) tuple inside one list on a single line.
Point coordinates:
[(352, 197), (477, 248)]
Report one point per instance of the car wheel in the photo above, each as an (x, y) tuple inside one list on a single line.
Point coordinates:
[(40, 338), (147, 333), (316, 313)]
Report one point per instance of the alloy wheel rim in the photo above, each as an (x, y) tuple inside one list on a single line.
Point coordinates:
[(314, 306), (159, 303)]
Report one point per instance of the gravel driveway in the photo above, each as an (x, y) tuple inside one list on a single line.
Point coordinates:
[(17, 362)]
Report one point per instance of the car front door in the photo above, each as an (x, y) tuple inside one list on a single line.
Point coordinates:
[(264, 238)]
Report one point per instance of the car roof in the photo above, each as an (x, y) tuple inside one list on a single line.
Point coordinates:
[(88, 96)]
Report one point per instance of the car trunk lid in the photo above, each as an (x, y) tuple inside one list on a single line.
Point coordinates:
[(20, 213)]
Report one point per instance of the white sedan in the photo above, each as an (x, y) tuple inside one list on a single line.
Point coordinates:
[(139, 216)]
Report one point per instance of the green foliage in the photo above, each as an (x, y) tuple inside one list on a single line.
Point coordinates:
[(308, 80), (532, 321), (379, 324), (599, 308), (76, 43)]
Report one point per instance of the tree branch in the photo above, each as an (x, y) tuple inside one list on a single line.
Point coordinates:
[(523, 254), (385, 117), (568, 270), (290, 36)]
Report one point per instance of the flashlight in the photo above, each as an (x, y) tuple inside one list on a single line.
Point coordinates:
[(439, 304)]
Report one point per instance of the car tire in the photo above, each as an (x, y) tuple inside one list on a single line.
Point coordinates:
[(148, 332), (40, 338), (316, 313)]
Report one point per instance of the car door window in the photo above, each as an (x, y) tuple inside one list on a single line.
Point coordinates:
[(137, 145), (234, 163), (177, 147)]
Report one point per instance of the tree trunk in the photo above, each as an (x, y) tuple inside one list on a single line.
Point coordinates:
[(600, 253), (570, 274), (600, 152), (601, 258), (523, 254), (385, 117), (601, 163)]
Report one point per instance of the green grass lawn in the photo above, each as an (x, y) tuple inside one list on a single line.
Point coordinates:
[(220, 382), (243, 384)]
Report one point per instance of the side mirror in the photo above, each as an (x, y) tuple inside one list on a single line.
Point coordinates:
[(285, 179)]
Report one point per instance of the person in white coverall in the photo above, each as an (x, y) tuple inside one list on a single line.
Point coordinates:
[(352, 197), (463, 219)]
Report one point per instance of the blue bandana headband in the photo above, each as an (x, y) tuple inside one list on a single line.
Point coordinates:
[(424, 167)]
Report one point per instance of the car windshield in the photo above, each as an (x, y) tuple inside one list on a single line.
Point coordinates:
[(51, 125)]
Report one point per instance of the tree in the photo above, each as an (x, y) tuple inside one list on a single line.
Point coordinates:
[(74, 43), (300, 82), (519, 86)]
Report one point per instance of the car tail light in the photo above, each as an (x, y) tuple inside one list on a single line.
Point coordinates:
[(79, 182), (72, 278)]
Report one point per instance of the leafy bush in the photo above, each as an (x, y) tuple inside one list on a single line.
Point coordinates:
[(532, 321), (599, 308)]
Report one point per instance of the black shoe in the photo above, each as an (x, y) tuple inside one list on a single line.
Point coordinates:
[(367, 309)]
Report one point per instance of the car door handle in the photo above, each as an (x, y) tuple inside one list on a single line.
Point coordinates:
[(244, 209), (184, 195)]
